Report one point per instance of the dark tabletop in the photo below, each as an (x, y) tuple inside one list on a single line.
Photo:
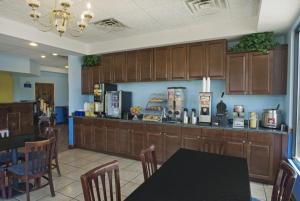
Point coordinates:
[(196, 176), (17, 141)]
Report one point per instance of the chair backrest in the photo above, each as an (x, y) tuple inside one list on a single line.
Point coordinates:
[(284, 183), (149, 162), (37, 157), (102, 178), (212, 146), (49, 133)]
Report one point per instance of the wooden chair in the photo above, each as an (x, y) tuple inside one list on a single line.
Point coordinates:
[(5, 158), (37, 165), (2, 182), (284, 183), (93, 179), (53, 133), (212, 146), (149, 162)]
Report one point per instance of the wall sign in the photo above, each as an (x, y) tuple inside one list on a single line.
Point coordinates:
[(27, 84)]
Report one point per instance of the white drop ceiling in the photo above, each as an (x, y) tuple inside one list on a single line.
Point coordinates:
[(150, 23)]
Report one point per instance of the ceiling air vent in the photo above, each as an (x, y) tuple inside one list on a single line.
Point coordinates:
[(206, 6), (110, 24)]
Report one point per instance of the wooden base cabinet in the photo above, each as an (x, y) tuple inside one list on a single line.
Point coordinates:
[(263, 151)]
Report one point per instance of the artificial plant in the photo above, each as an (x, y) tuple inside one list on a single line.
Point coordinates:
[(90, 60), (260, 42)]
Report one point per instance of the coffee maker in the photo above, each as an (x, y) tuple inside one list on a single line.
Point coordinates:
[(176, 103), (100, 90)]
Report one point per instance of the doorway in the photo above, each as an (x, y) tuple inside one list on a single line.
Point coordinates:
[(46, 92)]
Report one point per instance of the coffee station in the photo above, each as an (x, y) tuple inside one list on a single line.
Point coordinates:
[(170, 107)]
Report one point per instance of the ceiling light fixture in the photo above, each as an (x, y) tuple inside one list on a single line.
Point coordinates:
[(43, 56), (67, 67), (60, 17), (33, 44), (54, 54)]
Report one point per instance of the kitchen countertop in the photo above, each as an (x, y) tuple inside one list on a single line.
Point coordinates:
[(228, 127)]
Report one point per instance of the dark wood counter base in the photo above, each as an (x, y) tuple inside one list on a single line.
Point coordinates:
[(263, 150)]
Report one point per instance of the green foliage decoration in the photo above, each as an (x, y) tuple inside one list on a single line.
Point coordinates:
[(260, 42), (90, 60)]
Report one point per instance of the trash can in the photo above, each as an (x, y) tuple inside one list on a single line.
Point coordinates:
[(61, 114)]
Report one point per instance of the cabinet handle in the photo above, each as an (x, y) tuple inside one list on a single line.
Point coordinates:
[(244, 141), (198, 137), (250, 142)]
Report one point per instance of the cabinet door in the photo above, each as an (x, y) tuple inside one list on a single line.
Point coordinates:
[(190, 138), (13, 123), (107, 67), (3, 117), (137, 139), (90, 80), (260, 152), (145, 64), (119, 67), (124, 138), (178, 62), (77, 133), (112, 137), (154, 137), (100, 135), (237, 73), (87, 134), (260, 73), (27, 123), (161, 63), (197, 65), (84, 81), (216, 53), (172, 140), (131, 66), (235, 143), (96, 75)]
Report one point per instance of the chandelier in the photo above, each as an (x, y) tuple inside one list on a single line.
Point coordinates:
[(60, 17)]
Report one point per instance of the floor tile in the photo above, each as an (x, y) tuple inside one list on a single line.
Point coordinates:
[(58, 197), (72, 190), (129, 188)]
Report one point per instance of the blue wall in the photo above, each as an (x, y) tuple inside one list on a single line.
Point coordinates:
[(59, 80), (142, 91)]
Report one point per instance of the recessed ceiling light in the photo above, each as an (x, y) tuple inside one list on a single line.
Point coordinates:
[(54, 54), (33, 44), (66, 66), (43, 56)]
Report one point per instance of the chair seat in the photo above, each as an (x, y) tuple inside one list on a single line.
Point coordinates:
[(19, 169), (5, 157)]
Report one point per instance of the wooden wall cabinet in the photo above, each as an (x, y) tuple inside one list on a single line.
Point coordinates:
[(145, 65), (119, 67), (108, 68), (161, 63), (178, 62), (256, 73), (216, 57), (131, 66), (197, 64), (87, 83)]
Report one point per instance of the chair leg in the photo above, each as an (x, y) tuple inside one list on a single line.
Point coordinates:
[(10, 183), (51, 183), (3, 191), (57, 166), (27, 190)]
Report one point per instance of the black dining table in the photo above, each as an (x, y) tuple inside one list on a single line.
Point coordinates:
[(197, 176), (17, 141)]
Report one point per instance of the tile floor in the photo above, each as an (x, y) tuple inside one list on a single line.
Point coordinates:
[(75, 162)]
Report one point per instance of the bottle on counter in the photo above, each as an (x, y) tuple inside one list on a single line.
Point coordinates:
[(194, 117), (185, 116), (253, 120)]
